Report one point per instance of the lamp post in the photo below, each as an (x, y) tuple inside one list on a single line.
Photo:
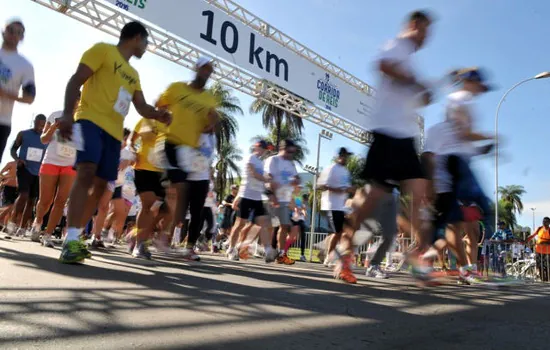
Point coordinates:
[(542, 75), (327, 135), (533, 209)]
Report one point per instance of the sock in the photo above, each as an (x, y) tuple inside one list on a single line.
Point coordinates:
[(73, 234), (288, 243)]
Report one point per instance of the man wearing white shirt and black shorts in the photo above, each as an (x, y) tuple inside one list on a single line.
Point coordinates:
[(16, 73), (392, 158), (335, 182)]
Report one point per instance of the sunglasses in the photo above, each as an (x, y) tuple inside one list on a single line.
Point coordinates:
[(15, 31)]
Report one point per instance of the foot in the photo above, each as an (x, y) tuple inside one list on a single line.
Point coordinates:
[(35, 234), (270, 256), (343, 270), (47, 241), (73, 252), (374, 271), (189, 254), (97, 244), (284, 259), (233, 254), (303, 259), (141, 251)]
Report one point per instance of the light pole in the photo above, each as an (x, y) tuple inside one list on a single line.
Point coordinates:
[(327, 135), (542, 75), (533, 209)]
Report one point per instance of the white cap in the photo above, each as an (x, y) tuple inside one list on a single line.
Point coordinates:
[(13, 20), (202, 61)]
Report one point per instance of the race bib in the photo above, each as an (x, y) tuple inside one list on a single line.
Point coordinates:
[(199, 163), (122, 104), (190, 160), (257, 185), (284, 194), (34, 154), (65, 151)]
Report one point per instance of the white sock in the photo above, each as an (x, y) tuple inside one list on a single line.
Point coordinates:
[(73, 234)]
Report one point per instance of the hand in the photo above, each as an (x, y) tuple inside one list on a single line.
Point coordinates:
[(164, 116), (21, 162), (65, 126)]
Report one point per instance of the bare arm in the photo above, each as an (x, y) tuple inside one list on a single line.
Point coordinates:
[(49, 131), (29, 93), (72, 93), (148, 111), (15, 147), (254, 173), (462, 119)]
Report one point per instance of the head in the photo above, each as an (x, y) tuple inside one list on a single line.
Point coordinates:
[(472, 79), (288, 149), (343, 156), (546, 222), (501, 225), (262, 147), (204, 69), (134, 36), (298, 189), (39, 123), (234, 190), (13, 33), (417, 27)]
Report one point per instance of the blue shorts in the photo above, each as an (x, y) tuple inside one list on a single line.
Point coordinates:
[(101, 149)]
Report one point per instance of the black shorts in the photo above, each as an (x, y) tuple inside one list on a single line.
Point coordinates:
[(27, 182), (149, 181), (117, 193), (175, 175), (5, 131), (250, 209), (391, 160), (9, 195), (336, 219)]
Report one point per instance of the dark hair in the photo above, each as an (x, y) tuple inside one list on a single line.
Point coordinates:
[(546, 218), (287, 143), (133, 29), (421, 16), (126, 132), (40, 117)]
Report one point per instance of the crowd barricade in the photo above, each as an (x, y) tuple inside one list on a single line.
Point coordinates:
[(515, 260)]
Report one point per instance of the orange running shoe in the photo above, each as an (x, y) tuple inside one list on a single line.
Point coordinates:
[(343, 270), (243, 253), (284, 259)]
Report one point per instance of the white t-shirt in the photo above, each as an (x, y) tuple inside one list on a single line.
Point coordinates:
[(15, 72), (252, 188), (59, 152), (207, 148), (435, 143), (396, 104), (125, 154), (453, 143), (128, 186), (336, 176), (283, 172), (210, 201)]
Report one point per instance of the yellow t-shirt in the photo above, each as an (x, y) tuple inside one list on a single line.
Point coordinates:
[(148, 130), (108, 93), (189, 109)]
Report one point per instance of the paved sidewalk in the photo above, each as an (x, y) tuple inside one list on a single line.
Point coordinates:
[(117, 302)]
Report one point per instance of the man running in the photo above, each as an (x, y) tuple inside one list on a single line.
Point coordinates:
[(335, 183), (29, 159), (16, 73), (251, 208), (110, 85), (392, 158)]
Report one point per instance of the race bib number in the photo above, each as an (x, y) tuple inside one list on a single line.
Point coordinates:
[(191, 160), (257, 185), (122, 104), (284, 194), (65, 151), (34, 154), (199, 163)]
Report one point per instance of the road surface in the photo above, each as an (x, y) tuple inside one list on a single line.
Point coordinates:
[(117, 302)]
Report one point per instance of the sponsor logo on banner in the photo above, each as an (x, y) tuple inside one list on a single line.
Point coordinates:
[(127, 4), (329, 94)]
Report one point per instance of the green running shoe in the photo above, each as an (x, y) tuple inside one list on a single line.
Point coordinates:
[(73, 252)]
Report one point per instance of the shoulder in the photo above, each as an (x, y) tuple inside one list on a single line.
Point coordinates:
[(460, 97), (24, 62)]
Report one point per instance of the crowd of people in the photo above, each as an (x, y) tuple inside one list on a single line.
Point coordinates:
[(81, 170)]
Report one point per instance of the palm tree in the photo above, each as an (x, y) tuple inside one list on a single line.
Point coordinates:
[(355, 166), (229, 106), (287, 132), (228, 157), (512, 194), (273, 118), (506, 213)]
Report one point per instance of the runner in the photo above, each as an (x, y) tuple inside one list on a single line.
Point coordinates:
[(282, 176), (56, 180), (8, 180), (228, 212), (15, 73), (207, 220), (99, 128), (194, 112), (148, 180), (335, 182), (299, 218), (29, 159), (251, 208), (392, 158)]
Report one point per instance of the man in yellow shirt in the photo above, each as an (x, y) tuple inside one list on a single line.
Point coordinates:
[(193, 109), (111, 84)]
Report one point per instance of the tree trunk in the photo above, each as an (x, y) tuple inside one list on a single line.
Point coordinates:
[(278, 123)]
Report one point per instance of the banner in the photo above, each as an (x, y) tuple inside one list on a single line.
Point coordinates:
[(228, 38)]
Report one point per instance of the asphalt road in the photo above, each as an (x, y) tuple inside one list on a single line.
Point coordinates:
[(117, 302)]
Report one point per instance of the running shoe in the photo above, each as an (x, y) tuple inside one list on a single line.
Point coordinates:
[(161, 243), (233, 254), (21, 232), (303, 259), (284, 259), (215, 249), (374, 271), (270, 256), (141, 251), (47, 241), (35, 234), (244, 252), (110, 237), (73, 252), (343, 270), (131, 241), (189, 254), (97, 244), (10, 230)]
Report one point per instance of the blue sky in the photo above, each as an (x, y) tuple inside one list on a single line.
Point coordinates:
[(507, 37)]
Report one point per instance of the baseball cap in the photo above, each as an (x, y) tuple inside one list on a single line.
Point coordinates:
[(202, 61), (13, 20), (476, 75), (343, 151), (234, 187)]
